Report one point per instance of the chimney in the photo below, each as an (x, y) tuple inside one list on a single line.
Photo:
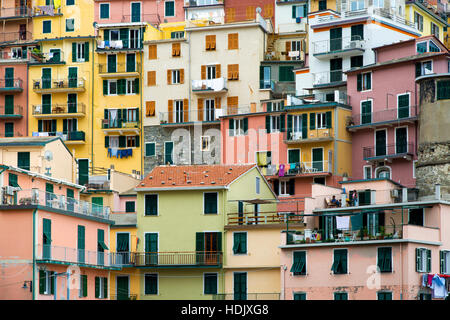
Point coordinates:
[(438, 191), (404, 194)]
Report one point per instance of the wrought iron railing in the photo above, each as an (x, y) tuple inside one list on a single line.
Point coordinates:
[(329, 77), (119, 124), (49, 83), (383, 115), (58, 108), (312, 134), (389, 150), (16, 12), (17, 36), (10, 83), (261, 218), (197, 258), (119, 68), (333, 45), (11, 110)]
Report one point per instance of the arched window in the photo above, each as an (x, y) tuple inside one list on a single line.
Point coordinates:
[(383, 172)]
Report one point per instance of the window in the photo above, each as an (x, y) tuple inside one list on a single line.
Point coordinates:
[(176, 49), (210, 200), (175, 76), (356, 5), (384, 295), (233, 41), (46, 282), (151, 205), (83, 286), (286, 73), (210, 281), (294, 47), (424, 68), (432, 47), (275, 106), (367, 172), (286, 187), (416, 217), (177, 35), (364, 81), (322, 5), (233, 72), (240, 242), (151, 283), (70, 25), (211, 72), (340, 296), (319, 180), (130, 206), (179, 111), (384, 259), (299, 11), (150, 149), (444, 258), (169, 9), (47, 26), (423, 260), (238, 127), (81, 51), (205, 142), (9, 129), (274, 124), (418, 21), (104, 10), (152, 52), (111, 87), (258, 185), (357, 32), (210, 41), (321, 121), (383, 173), (339, 261), (101, 288), (378, 3), (356, 61), (443, 90), (425, 296), (151, 78), (403, 106), (23, 160), (299, 263), (70, 2), (434, 29)]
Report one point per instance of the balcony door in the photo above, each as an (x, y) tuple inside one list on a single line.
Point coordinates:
[(46, 78), (207, 246), (401, 140), (46, 103), (240, 286), (317, 159), (336, 70), (9, 77), (366, 112), (72, 102), (122, 288), (151, 248), (380, 143), (9, 104), (335, 39), (123, 248), (209, 110), (112, 63), (135, 12), (73, 77), (135, 38)]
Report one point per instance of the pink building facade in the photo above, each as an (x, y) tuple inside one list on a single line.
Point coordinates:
[(384, 122), (53, 245), (377, 251)]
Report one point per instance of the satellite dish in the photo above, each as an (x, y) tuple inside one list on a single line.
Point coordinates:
[(48, 155), (258, 10)]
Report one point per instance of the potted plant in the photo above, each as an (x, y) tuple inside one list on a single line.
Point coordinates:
[(366, 233), (382, 234), (37, 54)]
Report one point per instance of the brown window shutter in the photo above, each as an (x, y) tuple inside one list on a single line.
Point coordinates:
[(203, 72), (185, 110), (252, 107), (200, 109), (150, 108), (169, 76), (230, 71), (181, 75), (232, 103), (208, 42), (170, 110), (152, 52), (213, 42), (174, 52), (288, 48), (230, 41), (236, 41), (236, 72), (151, 78), (217, 102), (218, 73)]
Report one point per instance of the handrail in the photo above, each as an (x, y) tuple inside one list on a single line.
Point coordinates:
[(388, 150), (118, 68), (383, 115)]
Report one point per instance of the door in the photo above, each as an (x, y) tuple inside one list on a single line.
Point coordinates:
[(380, 143), (123, 248), (23, 32), (73, 77), (70, 200), (264, 77), (48, 194), (9, 77), (97, 205), (112, 63), (335, 39), (81, 243), (47, 239), (207, 247), (168, 150), (401, 140), (209, 110), (46, 103), (83, 171), (317, 159), (122, 288), (46, 78), (240, 286), (55, 55), (9, 129), (403, 106), (335, 70), (366, 112), (151, 248), (72, 102), (131, 62), (135, 12), (9, 104)]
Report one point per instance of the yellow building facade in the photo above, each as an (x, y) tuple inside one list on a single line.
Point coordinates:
[(426, 20)]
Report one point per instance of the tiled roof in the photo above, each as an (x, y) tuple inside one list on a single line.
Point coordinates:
[(193, 176)]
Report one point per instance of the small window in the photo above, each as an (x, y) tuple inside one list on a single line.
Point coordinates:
[(104, 10), (340, 296), (70, 25), (210, 281), (239, 242), (101, 287), (339, 261), (384, 295), (211, 72), (176, 49), (416, 217), (418, 21), (286, 73), (130, 206), (112, 87), (210, 203), (46, 284), (175, 76), (384, 257), (443, 90), (83, 286), (299, 263), (425, 296), (150, 149), (177, 35), (47, 26), (356, 62), (151, 204), (151, 283), (210, 42), (169, 9), (444, 257), (434, 29), (321, 121), (300, 295), (274, 124), (70, 2), (205, 142), (364, 81), (423, 260), (367, 172)]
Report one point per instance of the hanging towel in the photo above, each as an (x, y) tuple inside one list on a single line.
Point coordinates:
[(101, 44), (114, 152), (342, 223), (281, 171), (107, 43), (130, 152), (429, 280), (438, 286), (292, 166), (119, 44)]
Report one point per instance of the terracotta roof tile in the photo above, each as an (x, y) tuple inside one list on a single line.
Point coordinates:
[(193, 176)]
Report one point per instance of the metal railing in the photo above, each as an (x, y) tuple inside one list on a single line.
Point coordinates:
[(118, 68), (261, 218), (195, 3), (13, 55), (192, 115), (383, 115), (329, 77), (333, 45), (124, 297), (389, 150), (307, 167), (17, 36), (56, 201), (49, 83), (76, 256), (152, 18), (217, 84), (10, 83), (387, 14), (196, 258), (16, 12), (47, 57), (119, 44), (314, 134), (119, 124), (11, 110), (58, 108), (247, 296)]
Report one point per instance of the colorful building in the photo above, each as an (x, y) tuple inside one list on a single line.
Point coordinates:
[(429, 17), (385, 111), (61, 249)]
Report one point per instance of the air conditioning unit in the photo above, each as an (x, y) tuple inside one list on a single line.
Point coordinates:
[(355, 44), (394, 193)]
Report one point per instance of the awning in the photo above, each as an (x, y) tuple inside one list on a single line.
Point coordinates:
[(102, 245)]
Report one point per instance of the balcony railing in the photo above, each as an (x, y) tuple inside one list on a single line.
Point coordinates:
[(59, 254), (56, 201), (17, 36), (47, 57), (329, 77), (118, 68), (312, 135), (119, 124), (261, 218), (153, 18), (340, 44), (371, 118), (52, 84), (247, 296), (267, 84), (387, 14), (211, 85), (16, 12), (13, 55), (59, 109), (10, 84), (165, 259), (124, 297), (118, 45), (196, 3), (15, 110), (300, 168), (390, 150)]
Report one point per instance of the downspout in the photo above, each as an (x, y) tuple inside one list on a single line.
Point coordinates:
[(190, 89), (27, 121), (33, 284), (92, 107), (141, 89)]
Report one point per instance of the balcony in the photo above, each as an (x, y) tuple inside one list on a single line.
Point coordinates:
[(11, 85), (69, 137), (73, 256), (312, 136), (305, 98), (119, 70), (389, 152), (16, 13), (54, 57), (153, 19), (304, 168), (329, 79), (67, 110), (218, 85), (279, 88), (247, 296), (342, 47), (382, 118), (261, 218), (11, 112), (119, 45), (58, 85), (202, 3), (36, 197), (17, 56), (16, 37), (178, 259), (120, 126)]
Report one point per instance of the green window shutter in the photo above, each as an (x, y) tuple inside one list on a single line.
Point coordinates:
[(269, 106), (121, 86), (312, 121), (150, 149), (359, 82), (282, 122), (106, 35), (9, 104), (84, 284), (289, 125), (199, 241), (12, 180), (105, 288), (294, 12), (124, 37), (299, 296), (39, 125), (268, 124), (86, 51), (97, 287), (136, 85), (299, 263), (418, 69), (65, 126), (81, 237), (443, 90), (42, 282), (9, 129), (70, 193), (106, 141), (328, 119), (151, 204), (130, 206), (231, 127), (23, 160), (105, 87), (74, 51), (210, 280), (46, 26), (418, 260), (210, 202), (219, 241), (137, 141), (122, 142), (442, 266), (428, 260), (304, 125), (245, 125), (52, 282)]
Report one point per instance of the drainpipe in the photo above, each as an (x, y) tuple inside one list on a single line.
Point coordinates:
[(141, 89), (34, 255), (92, 106)]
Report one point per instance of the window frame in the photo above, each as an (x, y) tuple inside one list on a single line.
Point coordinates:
[(73, 24), (258, 185), (208, 143), (347, 260), (165, 9), (445, 267), (48, 23), (100, 10), (364, 172), (305, 273), (323, 120), (391, 258), (364, 82), (217, 203), (154, 143), (157, 204), (246, 243), (423, 258)]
